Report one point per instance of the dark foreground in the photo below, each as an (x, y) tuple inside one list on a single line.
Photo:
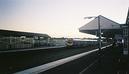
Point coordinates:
[(110, 61)]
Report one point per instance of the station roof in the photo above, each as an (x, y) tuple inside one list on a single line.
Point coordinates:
[(108, 27), (18, 33)]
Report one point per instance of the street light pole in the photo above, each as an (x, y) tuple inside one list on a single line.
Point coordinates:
[(99, 30), (99, 34)]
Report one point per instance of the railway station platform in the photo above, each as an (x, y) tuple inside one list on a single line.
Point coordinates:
[(112, 61)]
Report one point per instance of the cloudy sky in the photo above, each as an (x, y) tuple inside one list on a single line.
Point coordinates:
[(58, 18)]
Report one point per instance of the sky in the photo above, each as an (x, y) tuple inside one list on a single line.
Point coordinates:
[(58, 18)]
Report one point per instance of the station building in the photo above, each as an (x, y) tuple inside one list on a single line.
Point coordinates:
[(125, 28)]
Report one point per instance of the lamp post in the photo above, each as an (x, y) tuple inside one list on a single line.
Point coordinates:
[(99, 31)]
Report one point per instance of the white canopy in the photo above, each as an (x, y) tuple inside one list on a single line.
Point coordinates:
[(108, 27), (105, 23)]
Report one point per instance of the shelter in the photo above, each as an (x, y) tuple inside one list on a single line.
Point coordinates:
[(108, 27)]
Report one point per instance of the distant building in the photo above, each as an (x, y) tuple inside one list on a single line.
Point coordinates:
[(18, 40)]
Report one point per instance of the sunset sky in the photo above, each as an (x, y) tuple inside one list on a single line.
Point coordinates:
[(58, 18)]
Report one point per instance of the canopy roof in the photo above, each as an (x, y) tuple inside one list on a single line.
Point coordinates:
[(108, 27)]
